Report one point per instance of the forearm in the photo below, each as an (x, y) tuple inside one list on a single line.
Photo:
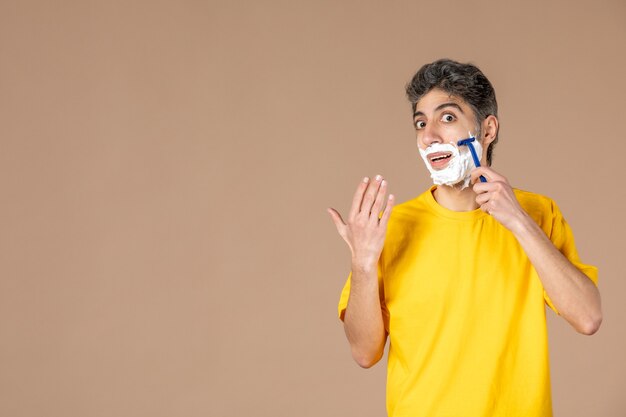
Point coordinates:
[(573, 294), (365, 233), (363, 320)]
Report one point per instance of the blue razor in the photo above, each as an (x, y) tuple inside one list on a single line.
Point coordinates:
[(468, 142)]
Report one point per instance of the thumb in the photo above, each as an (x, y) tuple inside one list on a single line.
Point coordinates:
[(334, 214)]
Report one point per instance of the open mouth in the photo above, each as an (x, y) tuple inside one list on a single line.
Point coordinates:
[(439, 160)]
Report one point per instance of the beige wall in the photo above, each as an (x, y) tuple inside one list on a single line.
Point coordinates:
[(165, 169)]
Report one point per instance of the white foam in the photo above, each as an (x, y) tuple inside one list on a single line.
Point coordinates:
[(459, 166)]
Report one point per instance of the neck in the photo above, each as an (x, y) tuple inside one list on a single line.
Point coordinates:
[(455, 199)]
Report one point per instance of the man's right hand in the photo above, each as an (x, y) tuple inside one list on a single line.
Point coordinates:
[(365, 230)]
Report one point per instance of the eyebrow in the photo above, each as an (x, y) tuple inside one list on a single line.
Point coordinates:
[(439, 107)]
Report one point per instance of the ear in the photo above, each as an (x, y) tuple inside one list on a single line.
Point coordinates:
[(489, 129)]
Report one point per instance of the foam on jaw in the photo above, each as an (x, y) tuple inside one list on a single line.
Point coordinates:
[(458, 168)]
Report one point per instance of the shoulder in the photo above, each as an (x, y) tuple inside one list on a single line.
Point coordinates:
[(407, 217), (410, 210), (534, 202), (541, 208)]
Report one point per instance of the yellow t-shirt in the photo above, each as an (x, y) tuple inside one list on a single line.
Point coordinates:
[(465, 313)]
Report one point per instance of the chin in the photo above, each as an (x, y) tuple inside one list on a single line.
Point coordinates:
[(457, 186)]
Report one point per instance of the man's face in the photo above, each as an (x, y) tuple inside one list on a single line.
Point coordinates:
[(444, 119)]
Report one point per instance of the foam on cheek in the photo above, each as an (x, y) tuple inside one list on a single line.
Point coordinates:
[(460, 165)]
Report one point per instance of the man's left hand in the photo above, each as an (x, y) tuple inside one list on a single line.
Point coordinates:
[(497, 198)]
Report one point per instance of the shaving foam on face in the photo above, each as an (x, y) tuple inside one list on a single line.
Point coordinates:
[(460, 165)]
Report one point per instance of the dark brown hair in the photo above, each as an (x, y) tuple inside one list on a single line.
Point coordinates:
[(465, 81)]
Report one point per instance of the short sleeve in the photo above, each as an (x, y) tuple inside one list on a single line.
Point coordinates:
[(562, 237), (345, 296)]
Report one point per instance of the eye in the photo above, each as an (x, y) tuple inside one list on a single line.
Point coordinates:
[(448, 117), (420, 124)]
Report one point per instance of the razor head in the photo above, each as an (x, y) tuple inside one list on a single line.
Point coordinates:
[(464, 142)]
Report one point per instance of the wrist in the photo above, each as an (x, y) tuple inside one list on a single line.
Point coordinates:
[(523, 225), (364, 265)]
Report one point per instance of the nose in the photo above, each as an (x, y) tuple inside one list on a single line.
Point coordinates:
[(429, 135)]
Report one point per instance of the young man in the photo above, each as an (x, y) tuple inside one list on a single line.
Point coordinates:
[(457, 278)]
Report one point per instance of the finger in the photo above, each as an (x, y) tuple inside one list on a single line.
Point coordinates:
[(483, 198), (334, 214), (484, 187), (486, 208), (486, 172), (476, 173), (370, 195), (358, 198), (380, 200), (385, 217)]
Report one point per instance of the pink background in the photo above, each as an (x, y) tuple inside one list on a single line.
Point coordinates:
[(165, 169)]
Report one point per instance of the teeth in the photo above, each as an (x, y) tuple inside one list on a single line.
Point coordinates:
[(439, 158)]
